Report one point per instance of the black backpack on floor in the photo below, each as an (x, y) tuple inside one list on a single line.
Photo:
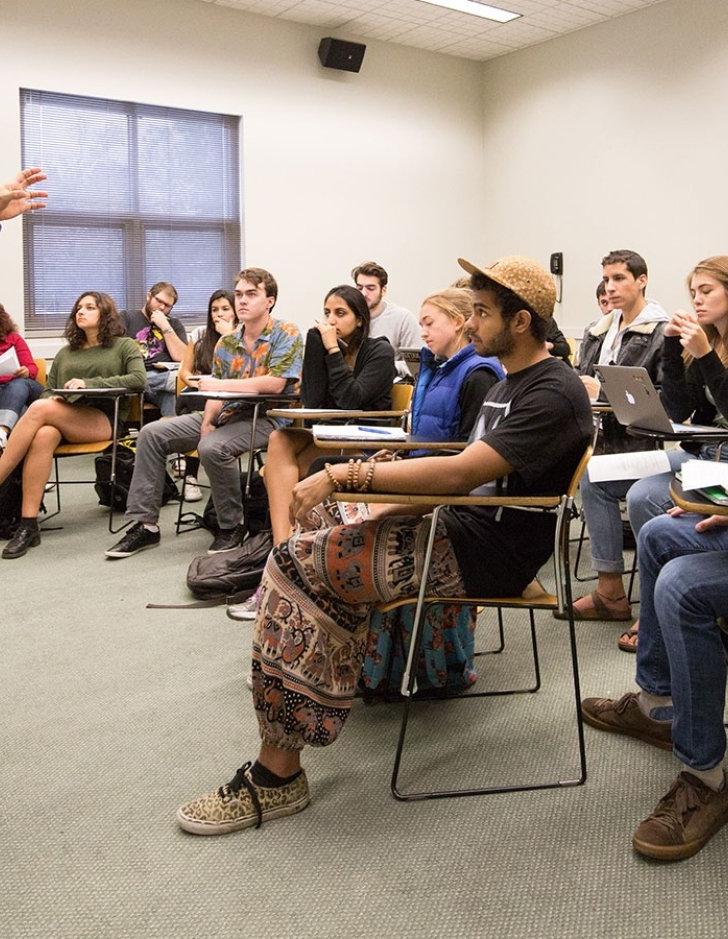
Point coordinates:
[(256, 508), (125, 455), (230, 575)]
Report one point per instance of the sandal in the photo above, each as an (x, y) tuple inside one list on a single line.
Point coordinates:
[(627, 642), (603, 609)]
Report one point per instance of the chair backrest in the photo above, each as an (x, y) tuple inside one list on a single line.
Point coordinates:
[(579, 472), (42, 372), (401, 396)]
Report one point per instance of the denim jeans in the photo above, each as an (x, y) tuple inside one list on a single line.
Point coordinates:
[(600, 502), (650, 496), (15, 396), (682, 651), (161, 390)]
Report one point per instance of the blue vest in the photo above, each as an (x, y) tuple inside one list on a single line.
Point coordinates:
[(435, 403)]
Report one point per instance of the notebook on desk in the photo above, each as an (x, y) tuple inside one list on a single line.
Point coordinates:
[(636, 402)]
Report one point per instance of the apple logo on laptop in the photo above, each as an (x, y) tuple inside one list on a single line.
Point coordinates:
[(630, 397)]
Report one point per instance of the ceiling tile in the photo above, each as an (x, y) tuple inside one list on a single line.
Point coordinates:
[(424, 26)]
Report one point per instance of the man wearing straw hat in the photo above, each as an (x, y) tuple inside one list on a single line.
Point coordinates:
[(319, 587)]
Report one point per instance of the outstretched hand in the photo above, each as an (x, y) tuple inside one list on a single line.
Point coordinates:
[(16, 196)]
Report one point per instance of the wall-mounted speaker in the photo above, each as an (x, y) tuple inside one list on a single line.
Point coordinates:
[(336, 53)]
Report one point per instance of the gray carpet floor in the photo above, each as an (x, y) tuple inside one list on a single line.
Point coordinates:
[(112, 714)]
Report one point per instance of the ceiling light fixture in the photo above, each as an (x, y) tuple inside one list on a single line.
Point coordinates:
[(475, 8)]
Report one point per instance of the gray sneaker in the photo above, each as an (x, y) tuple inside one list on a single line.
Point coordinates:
[(247, 610)]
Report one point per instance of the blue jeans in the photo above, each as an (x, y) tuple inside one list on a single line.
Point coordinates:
[(15, 396), (600, 502), (682, 651), (650, 496), (160, 390)]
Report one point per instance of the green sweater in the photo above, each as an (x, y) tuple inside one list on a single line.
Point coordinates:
[(120, 365)]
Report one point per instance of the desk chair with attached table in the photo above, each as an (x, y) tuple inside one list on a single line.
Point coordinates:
[(562, 507), (65, 450)]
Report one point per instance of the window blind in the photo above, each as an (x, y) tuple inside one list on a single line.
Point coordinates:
[(138, 194)]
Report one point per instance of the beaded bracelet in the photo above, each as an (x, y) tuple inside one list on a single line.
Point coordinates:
[(367, 484), (352, 473), (333, 480)]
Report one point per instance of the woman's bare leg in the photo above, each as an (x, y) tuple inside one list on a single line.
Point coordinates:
[(37, 469), (71, 423), (282, 474)]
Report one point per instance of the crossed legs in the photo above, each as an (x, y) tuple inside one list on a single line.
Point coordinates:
[(36, 436)]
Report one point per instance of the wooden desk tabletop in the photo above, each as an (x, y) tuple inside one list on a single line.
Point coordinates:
[(693, 502), (411, 443), (318, 414)]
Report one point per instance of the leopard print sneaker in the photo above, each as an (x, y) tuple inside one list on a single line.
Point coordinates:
[(241, 804)]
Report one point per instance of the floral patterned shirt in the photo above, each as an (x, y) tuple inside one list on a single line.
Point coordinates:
[(278, 352)]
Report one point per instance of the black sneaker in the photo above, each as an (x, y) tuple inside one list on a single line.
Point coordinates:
[(136, 539), (227, 540)]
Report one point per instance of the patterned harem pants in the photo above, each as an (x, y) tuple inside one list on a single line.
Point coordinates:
[(311, 631)]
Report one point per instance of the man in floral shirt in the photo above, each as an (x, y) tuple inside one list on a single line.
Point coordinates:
[(264, 356)]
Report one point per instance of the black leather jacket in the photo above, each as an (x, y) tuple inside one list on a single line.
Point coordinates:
[(641, 345)]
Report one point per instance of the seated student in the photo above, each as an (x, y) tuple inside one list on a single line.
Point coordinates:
[(262, 356), (197, 360), (319, 587), (681, 676), (162, 339), (452, 383), (631, 334), (694, 385), (343, 367), (97, 356), (394, 322), (19, 389)]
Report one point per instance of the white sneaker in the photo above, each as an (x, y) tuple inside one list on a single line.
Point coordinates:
[(192, 493), (3, 440), (178, 467), (247, 610)]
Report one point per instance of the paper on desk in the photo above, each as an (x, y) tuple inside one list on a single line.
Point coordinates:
[(612, 466), (354, 432), (9, 363), (697, 474)]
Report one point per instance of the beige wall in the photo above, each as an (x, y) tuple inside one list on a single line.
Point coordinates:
[(613, 136), (608, 137), (337, 167)]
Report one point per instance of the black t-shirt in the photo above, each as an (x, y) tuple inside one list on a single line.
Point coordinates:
[(149, 336), (538, 419)]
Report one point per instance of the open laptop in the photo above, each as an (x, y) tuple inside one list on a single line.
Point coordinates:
[(636, 402)]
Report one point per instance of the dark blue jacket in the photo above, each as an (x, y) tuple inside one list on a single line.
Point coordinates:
[(435, 403)]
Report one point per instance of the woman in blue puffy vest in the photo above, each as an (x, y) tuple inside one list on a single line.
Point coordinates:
[(452, 383)]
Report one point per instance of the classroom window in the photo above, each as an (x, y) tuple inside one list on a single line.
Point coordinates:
[(138, 194)]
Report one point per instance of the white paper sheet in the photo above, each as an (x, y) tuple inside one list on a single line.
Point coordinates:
[(697, 474), (612, 466), (354, 432), (9, 363)]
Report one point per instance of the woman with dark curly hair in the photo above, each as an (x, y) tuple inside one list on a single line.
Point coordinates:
[(97, 356), (19, 388)]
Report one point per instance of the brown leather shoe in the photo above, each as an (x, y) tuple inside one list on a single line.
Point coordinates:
[(625, 717), (683, 821)]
